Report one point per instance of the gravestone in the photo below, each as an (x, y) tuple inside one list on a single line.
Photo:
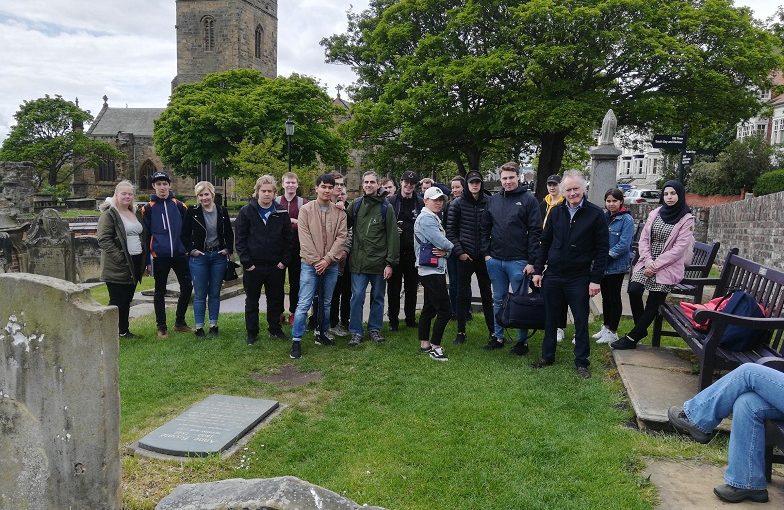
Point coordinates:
[(208, 427), (49, 247), (59, 396)]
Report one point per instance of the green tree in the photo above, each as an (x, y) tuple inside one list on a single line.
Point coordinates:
[(452, 78), (209, 120), (736, 168), (44, 134)]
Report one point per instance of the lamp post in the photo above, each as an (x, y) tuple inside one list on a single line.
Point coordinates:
[(289, 134)]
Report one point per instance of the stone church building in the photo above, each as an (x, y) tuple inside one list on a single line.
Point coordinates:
[(212, 35)]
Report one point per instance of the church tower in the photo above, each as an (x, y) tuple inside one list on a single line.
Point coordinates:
[(219, 35)]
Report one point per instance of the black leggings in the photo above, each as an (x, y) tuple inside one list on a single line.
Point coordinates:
[(436, 305), (643, 315), (611, 300)]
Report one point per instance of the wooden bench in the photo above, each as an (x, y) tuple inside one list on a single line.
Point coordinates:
[(774, 430), (765, 284), (693, 284)]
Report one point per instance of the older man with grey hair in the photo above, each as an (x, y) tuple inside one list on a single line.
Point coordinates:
[(574, 250)]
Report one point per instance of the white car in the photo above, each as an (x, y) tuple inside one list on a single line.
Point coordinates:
[(641, 196)]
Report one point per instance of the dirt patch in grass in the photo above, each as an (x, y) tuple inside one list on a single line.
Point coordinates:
[(287, 377)]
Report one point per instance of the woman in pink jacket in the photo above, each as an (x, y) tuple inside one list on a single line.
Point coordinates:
[(666, 244)]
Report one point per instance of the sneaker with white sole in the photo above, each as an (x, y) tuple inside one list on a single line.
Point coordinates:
[(339, 331), (559, 335), (608, 338), (574, 340), (601, 333), (437, 353)]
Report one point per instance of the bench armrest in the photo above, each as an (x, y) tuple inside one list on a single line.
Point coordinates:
[(747, 322), (772, 362)]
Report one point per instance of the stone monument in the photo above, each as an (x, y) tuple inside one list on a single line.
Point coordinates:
[(59, 397), (604, 161), (48, 248), (16, 187)]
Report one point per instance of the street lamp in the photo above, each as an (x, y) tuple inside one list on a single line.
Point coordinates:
[(289, 134)]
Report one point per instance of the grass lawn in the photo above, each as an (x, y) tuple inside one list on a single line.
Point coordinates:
[(390, 427)]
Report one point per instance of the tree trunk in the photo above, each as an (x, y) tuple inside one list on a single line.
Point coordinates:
[(473, 154), (551, 152)]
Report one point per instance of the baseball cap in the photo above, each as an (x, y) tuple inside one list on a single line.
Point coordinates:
[(473, 175), (160, 176), (434, 193), (410, 176), (554, 178)]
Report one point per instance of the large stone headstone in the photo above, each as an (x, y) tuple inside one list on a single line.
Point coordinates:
[(49, 247), (208, 427), (59, 396)]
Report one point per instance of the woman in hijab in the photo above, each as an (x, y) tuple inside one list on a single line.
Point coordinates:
[(666, 243)]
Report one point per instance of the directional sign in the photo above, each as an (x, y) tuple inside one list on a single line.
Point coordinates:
[(688, 159), (668, 141)]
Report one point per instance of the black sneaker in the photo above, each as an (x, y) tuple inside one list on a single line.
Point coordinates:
[(376, 336), (250, 340), (682, 424), (355, 340), (278, 334), (624, 343), (541, 363), (426, 350), (296, 350), (732, 494), (460, 338), (520, 348), (324, 340), (213, 330), (583, 372), (394, 325), (127, 334), (437, 353), (493, 343), (199, 332)]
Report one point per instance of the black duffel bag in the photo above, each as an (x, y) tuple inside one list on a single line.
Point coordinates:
[(522, 310)]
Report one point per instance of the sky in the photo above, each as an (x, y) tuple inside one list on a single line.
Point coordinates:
[(126, 50)]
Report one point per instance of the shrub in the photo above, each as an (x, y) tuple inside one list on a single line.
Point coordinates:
[(707, 179), (770, 182)]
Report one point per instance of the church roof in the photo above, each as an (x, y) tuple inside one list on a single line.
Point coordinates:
[(138, 121)]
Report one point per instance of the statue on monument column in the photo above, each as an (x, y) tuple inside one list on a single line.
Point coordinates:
[(609, 125)]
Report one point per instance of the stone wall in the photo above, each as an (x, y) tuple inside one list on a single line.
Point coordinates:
[(16, 187), (754, 226), (701, 218)]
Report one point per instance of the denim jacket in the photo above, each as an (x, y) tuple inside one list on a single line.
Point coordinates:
[(428, 228), (621, 234)]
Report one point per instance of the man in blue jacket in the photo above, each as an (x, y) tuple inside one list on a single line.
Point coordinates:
[(163, 217), (510, 232)]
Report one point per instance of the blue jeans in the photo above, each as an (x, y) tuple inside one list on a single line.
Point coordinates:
[(502, 274), (751, 393), (359, 283), (207, 275), (308, 287)]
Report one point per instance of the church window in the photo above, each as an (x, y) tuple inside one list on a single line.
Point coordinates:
[(208, 23), (106, 170), (259, 38), (148, 168)]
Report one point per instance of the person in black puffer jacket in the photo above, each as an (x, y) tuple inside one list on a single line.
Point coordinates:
[(464, 230)]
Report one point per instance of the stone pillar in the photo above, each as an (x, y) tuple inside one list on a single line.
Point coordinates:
[(16, 187), (604, 162)]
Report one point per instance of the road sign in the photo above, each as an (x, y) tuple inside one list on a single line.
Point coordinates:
[(668, 141), (688, 159)]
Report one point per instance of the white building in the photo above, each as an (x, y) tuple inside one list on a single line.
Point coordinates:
[(770, 128)]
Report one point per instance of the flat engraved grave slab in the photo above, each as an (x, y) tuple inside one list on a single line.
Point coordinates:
[(208, 427)]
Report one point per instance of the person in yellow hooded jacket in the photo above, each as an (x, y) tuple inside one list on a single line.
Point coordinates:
[(552, 199)]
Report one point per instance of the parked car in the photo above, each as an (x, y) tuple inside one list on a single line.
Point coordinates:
[(625, 186), (641, 196)]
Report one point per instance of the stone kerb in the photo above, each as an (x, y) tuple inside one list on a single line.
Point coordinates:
[(59, 396)]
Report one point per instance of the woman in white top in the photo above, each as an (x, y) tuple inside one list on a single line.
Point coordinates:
[(120, 237)]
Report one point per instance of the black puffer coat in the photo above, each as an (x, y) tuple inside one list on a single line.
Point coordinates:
[(463, 225)]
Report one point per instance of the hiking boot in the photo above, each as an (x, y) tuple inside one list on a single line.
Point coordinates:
[(183, 328), (355, 340), (682, 424), (608, 338), (163, 333), (732, 494), (600, 333), (376, 336), (278, 334), (250, 340), (324, 340), (437, 353), (583, 373), (624, 343), (460, 338), (493, 343), (520, 348), (213, 330), (559, 335), (541, 363), (296, 350)]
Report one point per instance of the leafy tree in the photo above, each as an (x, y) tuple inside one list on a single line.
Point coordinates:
[(44, 134), (737, 167), (770, 182), (211, 119), (452, 78)]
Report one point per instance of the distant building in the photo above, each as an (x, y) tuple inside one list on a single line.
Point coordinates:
[(770, 128)]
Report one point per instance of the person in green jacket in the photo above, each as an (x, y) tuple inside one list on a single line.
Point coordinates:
[(375, 250)]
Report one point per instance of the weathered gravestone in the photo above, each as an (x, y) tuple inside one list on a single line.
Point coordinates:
[(208, 427), (59, 397), (49, 248)]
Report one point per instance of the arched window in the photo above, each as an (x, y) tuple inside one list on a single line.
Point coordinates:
[(107, 170), (208, 24), (145, 173), (259, 39)]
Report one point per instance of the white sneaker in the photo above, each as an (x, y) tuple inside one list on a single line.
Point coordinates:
[(608, 338), (601, 333), (559, 335), (437, 353), (574, 340)]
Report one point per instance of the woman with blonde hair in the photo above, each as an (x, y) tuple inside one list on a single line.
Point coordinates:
[(209, 241), (121, 239)]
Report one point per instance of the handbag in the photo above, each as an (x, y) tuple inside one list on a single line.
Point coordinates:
[(736, 302), (715, 304), (425, 255), (522, 310), (231, 271)]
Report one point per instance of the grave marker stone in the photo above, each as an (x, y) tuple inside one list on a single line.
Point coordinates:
[(49, 247)]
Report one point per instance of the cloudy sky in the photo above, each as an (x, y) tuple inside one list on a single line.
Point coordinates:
[(126, 50)]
